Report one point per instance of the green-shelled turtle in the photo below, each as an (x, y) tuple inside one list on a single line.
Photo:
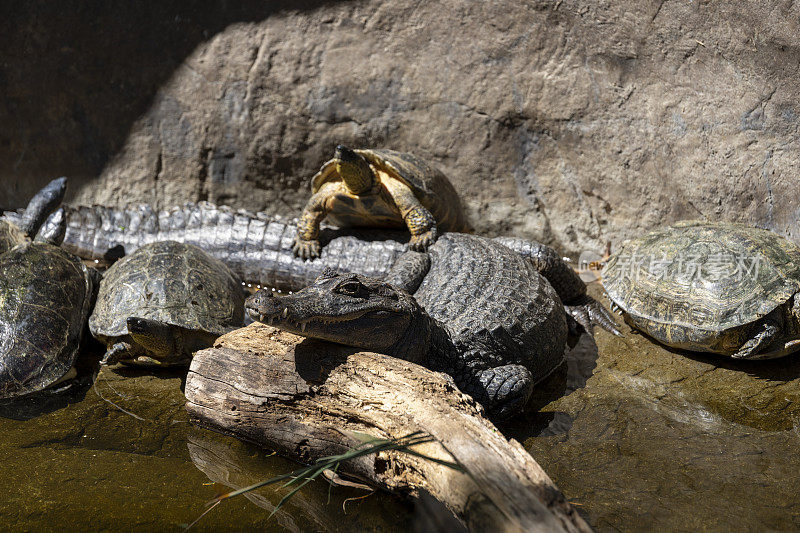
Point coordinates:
[(163, 302), (712, 287)]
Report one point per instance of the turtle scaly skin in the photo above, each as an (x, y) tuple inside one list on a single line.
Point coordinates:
[(713, 287), (10, 235), (163, 302), (383, 189)]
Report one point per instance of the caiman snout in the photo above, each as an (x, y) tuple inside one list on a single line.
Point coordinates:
[(262, 304), (276, 310)]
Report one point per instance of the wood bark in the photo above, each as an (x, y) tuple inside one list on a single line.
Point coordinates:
[(302, 398)]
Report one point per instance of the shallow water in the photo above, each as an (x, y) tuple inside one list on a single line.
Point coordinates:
[(88, 465), (638, 438)]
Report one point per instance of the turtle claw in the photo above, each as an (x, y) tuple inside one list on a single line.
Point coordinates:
[(421, 242), (589, 313), (306, 249)]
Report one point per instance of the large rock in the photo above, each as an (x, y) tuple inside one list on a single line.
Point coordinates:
[(575, 123)]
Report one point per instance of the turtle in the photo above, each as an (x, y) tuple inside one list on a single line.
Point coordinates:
[(715, 287), (45, 297), (17, 228), (163, 302), (379, 188)]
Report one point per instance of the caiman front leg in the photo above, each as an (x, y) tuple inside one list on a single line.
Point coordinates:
[(587, 311), (419, 220), (306, 243)]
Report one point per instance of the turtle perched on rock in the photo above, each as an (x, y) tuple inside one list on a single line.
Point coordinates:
[(17, 228), (45, 297), (712, 287), (380, 188), (162, 303)]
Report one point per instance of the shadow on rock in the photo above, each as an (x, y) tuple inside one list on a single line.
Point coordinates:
[(96, 67), (781, 369), (315, 369)]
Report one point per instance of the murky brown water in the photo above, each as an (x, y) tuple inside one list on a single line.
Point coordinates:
[(90, 466), (636, 436)]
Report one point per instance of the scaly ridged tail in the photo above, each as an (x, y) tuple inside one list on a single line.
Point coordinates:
[(258, 248)]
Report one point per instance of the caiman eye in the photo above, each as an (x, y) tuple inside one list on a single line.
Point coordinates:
[(350, 288)]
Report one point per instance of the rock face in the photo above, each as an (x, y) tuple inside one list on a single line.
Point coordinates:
[(574, 123)]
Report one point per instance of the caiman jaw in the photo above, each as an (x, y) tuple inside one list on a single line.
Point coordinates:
[(282, 320)]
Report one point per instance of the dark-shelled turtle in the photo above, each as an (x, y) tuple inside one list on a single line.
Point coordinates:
[(383, 189), (45, 297), (162, 303), (712, 287)]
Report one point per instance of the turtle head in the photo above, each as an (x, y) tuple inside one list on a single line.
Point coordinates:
[(354, 170), (347, 309), (155, 337), (157, 343)]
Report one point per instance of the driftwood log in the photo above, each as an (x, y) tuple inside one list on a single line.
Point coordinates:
[(302, 398)]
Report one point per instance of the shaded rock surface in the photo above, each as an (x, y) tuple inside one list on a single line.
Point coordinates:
[(575, 123)]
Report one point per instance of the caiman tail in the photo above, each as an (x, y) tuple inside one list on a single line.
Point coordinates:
[(257, 247)]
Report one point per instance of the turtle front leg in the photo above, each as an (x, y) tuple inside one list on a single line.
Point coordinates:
[(587, 311), (762, 339), (423, 229), (118, 352), (306, 243), (419, 220)]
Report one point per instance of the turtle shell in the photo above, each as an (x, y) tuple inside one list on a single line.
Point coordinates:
[(10, 235), (707, 276), (429, 184), (174, 283), (45, 295)]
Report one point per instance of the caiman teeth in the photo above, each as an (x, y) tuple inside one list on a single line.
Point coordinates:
[(285, 312), (303, 326)]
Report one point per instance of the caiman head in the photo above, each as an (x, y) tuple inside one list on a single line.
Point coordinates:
[(347, 309)]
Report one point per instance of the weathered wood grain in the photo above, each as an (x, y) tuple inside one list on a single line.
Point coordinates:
[(302, 397)]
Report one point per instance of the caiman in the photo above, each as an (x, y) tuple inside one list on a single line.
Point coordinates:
[(469, 307), (258, 248)]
